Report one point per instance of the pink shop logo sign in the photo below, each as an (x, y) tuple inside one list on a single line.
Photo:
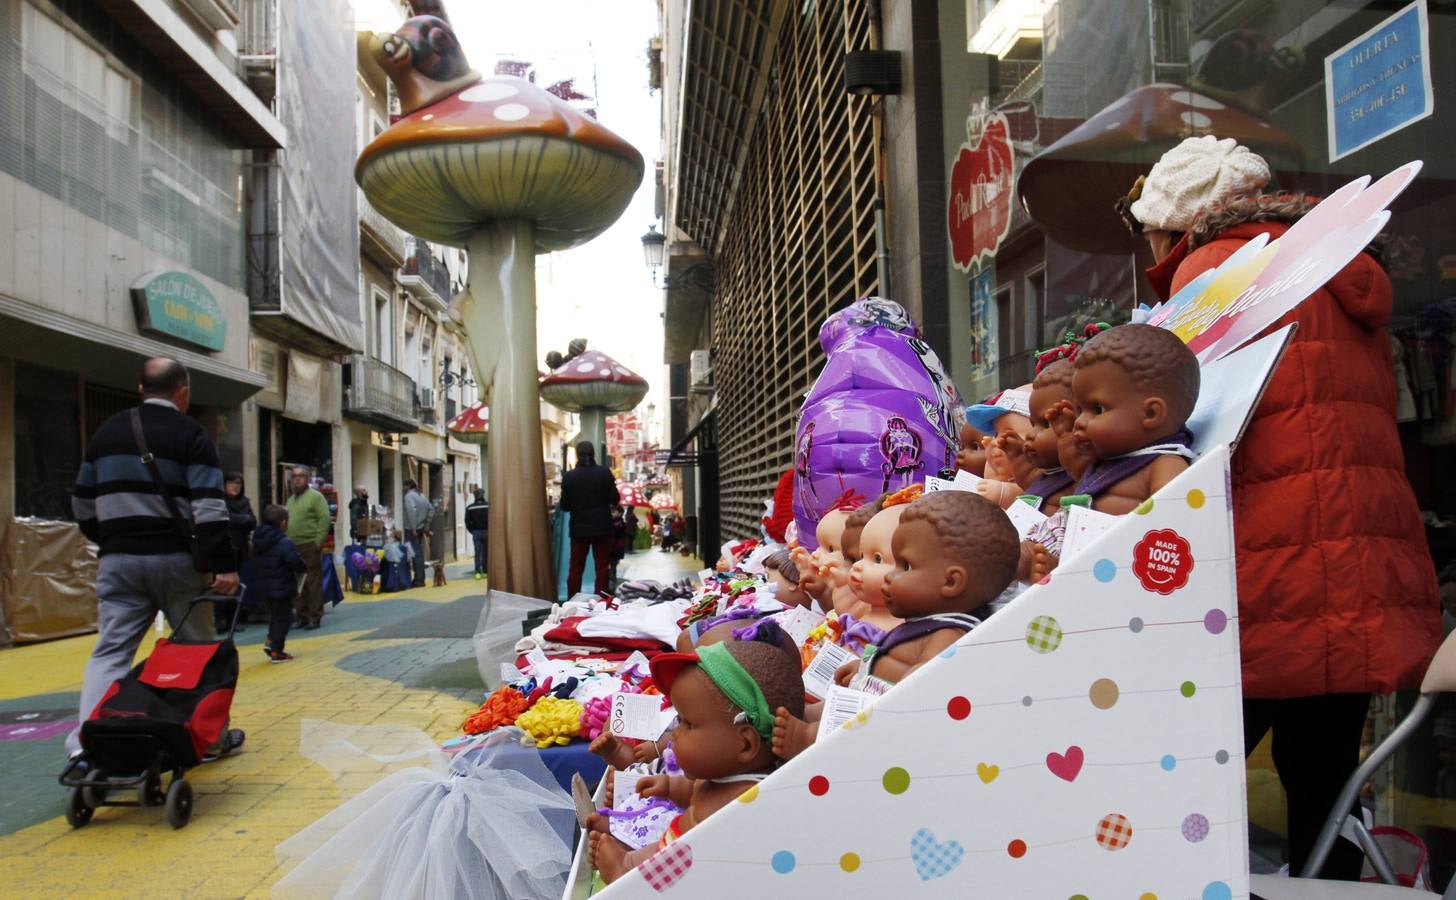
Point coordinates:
[(982, 182)]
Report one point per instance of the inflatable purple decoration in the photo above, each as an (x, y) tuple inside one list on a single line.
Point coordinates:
[(882, 415)]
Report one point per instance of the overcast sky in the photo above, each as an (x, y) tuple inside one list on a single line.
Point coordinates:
[(600, 291)]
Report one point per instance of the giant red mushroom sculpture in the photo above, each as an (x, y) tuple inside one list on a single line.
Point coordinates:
[(594, 385), (472, 425), (506, 170)]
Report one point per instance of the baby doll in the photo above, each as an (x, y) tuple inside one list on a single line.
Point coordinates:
[(972, 456), (820, 571), (1135, 387), (1052, 386), (843, 596), (724, 695), (955, 552), (784, 575), (867, 576)]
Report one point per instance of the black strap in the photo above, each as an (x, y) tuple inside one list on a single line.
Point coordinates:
[(184, 527)]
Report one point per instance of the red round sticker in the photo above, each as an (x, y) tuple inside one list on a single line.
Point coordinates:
[(1162, 561)]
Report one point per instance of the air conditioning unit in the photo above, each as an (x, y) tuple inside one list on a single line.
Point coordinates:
[(426, 398), (700, 369)]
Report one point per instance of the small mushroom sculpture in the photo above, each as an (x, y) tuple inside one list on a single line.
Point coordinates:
[(472, 425), (593, 385), (506, 170)]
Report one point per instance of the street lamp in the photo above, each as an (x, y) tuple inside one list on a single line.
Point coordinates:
[(654, 247), (654, 253)]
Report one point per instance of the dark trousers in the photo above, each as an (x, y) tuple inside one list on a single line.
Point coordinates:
[(1316, 747), (482, 548), (280, 619), (601, 551), (310, 599), (416, 540)]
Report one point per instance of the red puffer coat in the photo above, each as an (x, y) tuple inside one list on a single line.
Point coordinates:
[(1337, 592)]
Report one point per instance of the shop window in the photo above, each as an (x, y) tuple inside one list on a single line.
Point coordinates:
[(47, 441)]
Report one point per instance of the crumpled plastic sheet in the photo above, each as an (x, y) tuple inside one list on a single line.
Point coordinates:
[(494, 826), (498, 630)]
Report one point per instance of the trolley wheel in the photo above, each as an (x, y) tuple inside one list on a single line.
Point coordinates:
[(93, 788), (150, 793), (78, 812), (179, 802)]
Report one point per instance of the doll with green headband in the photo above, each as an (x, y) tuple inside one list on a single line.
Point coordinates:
[(725, 695)]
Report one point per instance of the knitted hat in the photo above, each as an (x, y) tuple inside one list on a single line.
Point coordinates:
[(1195, 175)]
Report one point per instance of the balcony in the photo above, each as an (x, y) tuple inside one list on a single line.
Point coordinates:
[(1012, 30), (219, 15), (380, 238), (379, 395), (423, 276)]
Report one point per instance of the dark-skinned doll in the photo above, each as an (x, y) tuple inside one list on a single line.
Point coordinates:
[(955, 552), (724, 695)]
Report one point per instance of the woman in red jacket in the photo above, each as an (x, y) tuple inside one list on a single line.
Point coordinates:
[(1337, 592)]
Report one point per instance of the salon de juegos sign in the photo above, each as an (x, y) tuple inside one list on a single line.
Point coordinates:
[(177, 305)]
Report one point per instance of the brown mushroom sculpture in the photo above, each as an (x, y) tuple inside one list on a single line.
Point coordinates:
[(507, 171), (1070, 187), (472, 425), (593, 385)]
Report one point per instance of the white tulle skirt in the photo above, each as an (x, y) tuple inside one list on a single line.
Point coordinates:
[(496, 826)]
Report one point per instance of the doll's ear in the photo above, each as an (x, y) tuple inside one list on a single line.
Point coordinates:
[(750, 743), (1155, 413), (955, 581)]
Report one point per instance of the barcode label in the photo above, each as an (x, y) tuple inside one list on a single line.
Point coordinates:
[(819, 677), (841, 704)]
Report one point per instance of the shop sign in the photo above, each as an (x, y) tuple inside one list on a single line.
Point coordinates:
[(982, 186), (179, 306), (983, 321), (1380, 82)]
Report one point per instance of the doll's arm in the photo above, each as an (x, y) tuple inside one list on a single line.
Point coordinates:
[(845, 673), (1163, 470), (616, 752), (1022, 470), (1001, 493), (677, 788), (998, 467), (1062, 417)]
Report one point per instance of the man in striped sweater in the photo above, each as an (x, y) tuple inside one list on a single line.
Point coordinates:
[(145, 561)]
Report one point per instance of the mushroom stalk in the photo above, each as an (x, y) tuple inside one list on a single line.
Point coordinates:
[(499, 314), (594, 428)]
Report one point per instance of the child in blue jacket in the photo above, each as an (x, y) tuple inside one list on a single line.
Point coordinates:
[(276, 567)]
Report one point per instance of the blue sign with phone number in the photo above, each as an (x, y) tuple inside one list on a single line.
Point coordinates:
[(1380, 82)]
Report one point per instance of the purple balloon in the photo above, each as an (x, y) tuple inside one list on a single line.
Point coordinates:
[(881, 416)]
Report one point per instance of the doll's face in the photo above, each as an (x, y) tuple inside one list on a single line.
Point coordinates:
[(788, 591), (1013, 422), (830, 533), (922, 581), (867, 577), (1115, 417), (1041, 441), (708, 743), (971, 457)]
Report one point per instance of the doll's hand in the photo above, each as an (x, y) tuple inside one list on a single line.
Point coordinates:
[(998, 467), (654, 786), (1010, 444), (800, 557), (845, 673), (645, 751), (1001, 493), (1061, 417)]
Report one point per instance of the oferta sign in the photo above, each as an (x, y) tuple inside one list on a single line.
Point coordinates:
[(177, 305)]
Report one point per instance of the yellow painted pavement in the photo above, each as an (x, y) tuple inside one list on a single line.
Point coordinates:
[(246, 804)]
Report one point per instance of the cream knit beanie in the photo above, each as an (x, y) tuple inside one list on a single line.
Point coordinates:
[(1196, 174)]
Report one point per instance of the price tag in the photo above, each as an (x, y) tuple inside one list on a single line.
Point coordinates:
[(1024, 517), (933, 484), (636, 716), (538, 663), (841, 705), (798, 622), (819, 677), (1015, 401), (624, 786), (1084, 526), (966, 481)]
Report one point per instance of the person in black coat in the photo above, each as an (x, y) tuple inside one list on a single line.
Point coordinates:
[(358, 512), (276, 567), (477, 522), (241, 523), (588, 493)]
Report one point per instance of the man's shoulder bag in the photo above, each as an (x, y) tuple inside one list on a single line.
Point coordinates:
[(200, 560)]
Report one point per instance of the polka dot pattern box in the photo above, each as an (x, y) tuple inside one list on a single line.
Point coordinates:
[(1083, 743)]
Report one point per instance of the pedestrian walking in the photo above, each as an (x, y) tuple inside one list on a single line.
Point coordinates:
[(241, 523), (149, 493), (477, 522), (308, 525), (418, 511), (1337, 592), (588, 493), (359, 514), (276, 567)]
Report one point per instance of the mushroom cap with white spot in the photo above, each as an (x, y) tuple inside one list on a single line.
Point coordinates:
[(593, 380), (502, 149)]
